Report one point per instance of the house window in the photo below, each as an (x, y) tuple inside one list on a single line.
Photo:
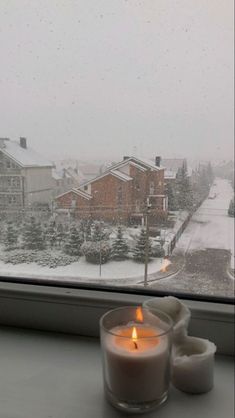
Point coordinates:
[(110, 112), (151, 187), (12, 200)]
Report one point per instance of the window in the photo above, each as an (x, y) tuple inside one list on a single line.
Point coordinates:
[(126, 93)]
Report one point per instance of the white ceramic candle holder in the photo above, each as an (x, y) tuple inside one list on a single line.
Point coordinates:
[(136, 349), (193, 365), (177, 311)]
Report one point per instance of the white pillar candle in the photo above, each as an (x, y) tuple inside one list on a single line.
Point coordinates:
[(177, 311), (193, 365), (137, 370)]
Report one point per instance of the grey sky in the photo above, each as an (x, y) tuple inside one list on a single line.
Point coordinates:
[(95, 78)]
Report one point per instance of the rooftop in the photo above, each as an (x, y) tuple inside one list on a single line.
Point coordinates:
[(25, 157)]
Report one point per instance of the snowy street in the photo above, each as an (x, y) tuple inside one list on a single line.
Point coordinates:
[(207, 245), (210, 226)]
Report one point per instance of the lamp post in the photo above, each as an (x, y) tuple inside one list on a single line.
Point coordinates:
[(148, 206)]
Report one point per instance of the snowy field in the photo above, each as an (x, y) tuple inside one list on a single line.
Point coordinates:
[(210, 226), (81, 270)]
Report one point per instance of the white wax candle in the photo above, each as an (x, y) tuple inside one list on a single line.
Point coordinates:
[(177, 311), (193, 365), (137, 370)]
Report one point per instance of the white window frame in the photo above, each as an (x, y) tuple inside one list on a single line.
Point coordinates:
[(77, 311)]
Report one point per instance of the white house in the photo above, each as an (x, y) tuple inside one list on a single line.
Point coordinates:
[(25, 176)]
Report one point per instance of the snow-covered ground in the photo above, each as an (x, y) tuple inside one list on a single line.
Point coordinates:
[(210, 226), (84, 271)]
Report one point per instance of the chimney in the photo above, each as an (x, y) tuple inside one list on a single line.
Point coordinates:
[(23, 142), (158, 161), (125, 157)]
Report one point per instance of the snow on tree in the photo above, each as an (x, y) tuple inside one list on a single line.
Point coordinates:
[(50, 234), (231, 209), (73, 242), (185, 194), (119, 247), (32, 236), (10, 237), (98, 233), (60, 234), (85, 228), (96, 252), (172, 199), (139, 249)]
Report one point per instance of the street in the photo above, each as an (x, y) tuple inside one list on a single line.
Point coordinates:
[(207, 246)]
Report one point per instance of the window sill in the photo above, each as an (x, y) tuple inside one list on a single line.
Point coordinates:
[(56, 375), (77, 311)]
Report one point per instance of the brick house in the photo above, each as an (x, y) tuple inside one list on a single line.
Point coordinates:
[(25, 176), (120, 194)]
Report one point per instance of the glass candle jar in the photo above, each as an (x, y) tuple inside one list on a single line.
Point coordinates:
[(136, 349)]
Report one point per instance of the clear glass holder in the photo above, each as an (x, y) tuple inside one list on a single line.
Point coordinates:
[(136, 351)]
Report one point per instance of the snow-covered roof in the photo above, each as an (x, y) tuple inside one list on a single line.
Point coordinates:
[(78, 192), (116, 173), (121, 175), (172, 165), (170, 174), (25, 157), (140, 162)]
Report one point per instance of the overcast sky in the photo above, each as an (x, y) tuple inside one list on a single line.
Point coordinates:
[(103, 78)]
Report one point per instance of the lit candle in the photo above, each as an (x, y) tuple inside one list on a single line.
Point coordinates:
[(137, 361)]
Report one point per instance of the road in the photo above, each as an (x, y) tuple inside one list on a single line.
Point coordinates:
[(208, 248)]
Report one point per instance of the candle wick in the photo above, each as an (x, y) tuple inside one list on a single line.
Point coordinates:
[(135, 344)]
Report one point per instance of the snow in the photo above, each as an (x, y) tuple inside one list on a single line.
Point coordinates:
[(121, 175), (26, 157), (210, 226), (79, 270)]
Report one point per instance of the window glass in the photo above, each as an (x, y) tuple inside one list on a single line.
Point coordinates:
[(127, 158)]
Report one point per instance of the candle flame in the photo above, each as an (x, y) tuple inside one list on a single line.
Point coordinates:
[(139, 314), (134, 336), (165, 264)]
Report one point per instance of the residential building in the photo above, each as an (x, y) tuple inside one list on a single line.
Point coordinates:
[(122, 193), (25, 176)]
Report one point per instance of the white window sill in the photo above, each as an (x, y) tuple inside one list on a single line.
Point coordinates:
[(78, 311), (55, 375)]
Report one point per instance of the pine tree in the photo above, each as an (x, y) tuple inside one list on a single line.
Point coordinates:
[(119, 247), (73, 242), (139, 249), (60, 235), (51, 234), (231, 209), (172, 200), (33, 235), (97, 233), (10, 237), (185, 195)]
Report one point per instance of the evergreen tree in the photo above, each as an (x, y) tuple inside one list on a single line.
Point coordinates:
[(139, 249), (60, 235), (119, 247), (210, 173), (231, 209), (32, 237), (50, 234), (185, 195), (85, 228), (10, 237), (73, 242), (172, 200), (98, 233)]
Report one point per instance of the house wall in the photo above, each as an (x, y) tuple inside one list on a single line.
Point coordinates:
[(116, 200), (38, 185)]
